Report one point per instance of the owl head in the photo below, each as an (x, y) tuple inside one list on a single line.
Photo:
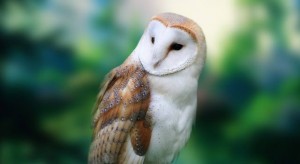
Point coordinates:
[(171, 43)]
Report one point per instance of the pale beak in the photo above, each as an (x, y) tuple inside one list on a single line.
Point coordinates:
[(159, 55)]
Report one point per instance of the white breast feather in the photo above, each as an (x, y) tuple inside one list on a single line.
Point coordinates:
[(173, 107)]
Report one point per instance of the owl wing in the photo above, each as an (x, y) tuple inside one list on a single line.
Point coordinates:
[(121, 125)]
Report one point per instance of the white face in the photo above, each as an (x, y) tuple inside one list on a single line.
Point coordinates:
[(165, 50)]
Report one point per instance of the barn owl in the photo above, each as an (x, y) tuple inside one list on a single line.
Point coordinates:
[(146, 107)]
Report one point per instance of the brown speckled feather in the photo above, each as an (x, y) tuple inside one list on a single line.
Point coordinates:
[(121, 131)]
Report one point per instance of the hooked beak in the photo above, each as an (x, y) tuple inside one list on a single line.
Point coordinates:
[(159, 55)]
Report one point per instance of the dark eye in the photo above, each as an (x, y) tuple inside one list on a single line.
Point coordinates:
[(176, 46), (152, 40)]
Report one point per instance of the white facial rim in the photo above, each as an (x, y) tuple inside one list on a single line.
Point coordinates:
[(165, 71)]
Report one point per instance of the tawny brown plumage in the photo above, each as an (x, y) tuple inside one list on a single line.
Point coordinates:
[(177, 21), (121, 113)]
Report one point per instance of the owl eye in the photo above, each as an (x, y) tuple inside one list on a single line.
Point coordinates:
[(152, 40), (176, 46)]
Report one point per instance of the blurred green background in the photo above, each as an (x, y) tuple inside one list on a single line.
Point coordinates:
[(54, 55)]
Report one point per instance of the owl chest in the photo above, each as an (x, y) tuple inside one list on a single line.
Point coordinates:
[(172, 113)]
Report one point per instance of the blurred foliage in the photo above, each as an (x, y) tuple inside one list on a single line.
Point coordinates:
[(54, 55)]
